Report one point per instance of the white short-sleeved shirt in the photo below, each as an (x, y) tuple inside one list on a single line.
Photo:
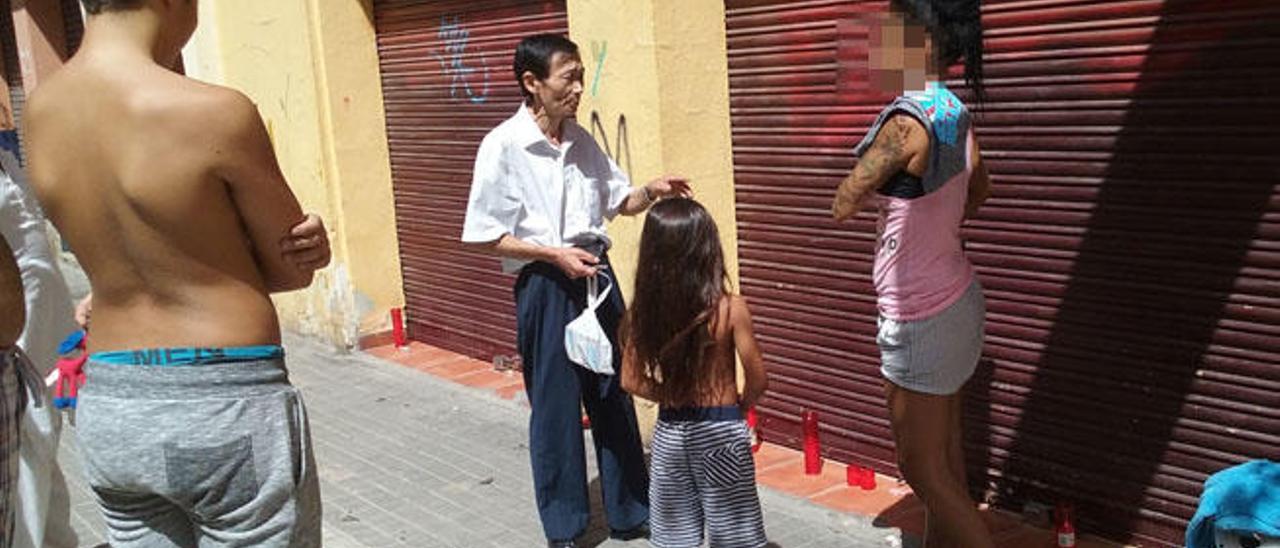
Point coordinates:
[(50, 313), (545, 195)]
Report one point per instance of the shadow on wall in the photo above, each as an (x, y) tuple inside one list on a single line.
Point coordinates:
[(1159, 363), (620, 151)]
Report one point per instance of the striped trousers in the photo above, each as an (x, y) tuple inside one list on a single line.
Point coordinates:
[(12, 402), (703, 477)]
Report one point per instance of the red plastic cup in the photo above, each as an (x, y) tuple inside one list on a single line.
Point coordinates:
[(1064, 525), (397, 328), (812, 446), (867, 479), (853, 475), (753, 423)]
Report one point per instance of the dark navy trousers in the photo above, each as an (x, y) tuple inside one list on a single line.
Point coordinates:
[(546, 301)]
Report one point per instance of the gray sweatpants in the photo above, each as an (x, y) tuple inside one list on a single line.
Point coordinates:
[(199, 455)]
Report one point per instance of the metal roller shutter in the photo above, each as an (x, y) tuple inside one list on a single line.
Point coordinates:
[(808, 279), (1130, 253), (446, 78)]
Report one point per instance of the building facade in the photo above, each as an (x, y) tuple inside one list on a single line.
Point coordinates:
[(1130, 253)]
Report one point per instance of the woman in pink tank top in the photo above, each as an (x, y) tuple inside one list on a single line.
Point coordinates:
[(919, 163)]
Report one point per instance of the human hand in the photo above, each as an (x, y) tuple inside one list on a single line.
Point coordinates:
[(307, 245), (669, 186), (576, 263)]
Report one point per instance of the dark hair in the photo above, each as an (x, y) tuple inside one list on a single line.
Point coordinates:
[(98, 6), (534, 55), (680, 281), (956, 29)]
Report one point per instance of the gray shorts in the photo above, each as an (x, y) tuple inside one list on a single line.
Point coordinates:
[(199, 455), (935, 355), (703, 478)]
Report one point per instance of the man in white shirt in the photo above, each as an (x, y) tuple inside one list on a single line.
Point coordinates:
[(43, 508), (541, 194)]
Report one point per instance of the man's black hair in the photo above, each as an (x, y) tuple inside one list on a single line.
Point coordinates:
[(99, 6)]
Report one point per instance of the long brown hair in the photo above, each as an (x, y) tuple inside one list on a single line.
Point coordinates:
[(680, 280)]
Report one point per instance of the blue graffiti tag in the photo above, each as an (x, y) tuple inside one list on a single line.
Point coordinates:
[(455, 39)]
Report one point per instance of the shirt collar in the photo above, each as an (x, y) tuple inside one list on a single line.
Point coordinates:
[(530, 135)]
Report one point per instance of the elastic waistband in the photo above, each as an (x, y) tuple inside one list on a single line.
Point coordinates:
[(236, 379), (701, 414), (190, 355)]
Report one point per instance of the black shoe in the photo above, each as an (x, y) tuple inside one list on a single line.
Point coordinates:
[(637, 532), (561, 544)]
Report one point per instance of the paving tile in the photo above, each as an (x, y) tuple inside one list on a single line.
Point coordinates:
[(413, 459)]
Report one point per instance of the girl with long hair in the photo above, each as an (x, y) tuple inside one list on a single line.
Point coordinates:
[(920, 163), (680, 337)]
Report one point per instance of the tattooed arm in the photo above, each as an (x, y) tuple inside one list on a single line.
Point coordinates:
[(901, 140)]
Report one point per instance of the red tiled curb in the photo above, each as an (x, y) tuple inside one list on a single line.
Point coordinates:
[(488, 379), (771, 455), (376, 340), (510, 391), (455, 370), (853, 500), (789, 477), (891, 504)]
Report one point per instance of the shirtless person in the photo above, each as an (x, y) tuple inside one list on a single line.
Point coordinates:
[(170, 194)]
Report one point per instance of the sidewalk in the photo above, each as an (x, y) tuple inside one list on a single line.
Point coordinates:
[(440, 459), (408, 459), (891, 509)]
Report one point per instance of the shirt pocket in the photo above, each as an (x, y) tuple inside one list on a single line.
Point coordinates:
[(582, 207)]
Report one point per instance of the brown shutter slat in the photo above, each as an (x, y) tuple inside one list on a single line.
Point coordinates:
[(1130, 253), (456, 298)]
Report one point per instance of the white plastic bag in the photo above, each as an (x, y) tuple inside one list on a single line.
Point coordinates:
[(584, 339)]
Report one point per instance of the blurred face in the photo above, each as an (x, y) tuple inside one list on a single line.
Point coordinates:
[(561, 91), (898, 55)]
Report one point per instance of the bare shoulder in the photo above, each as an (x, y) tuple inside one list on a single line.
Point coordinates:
[(43, 101), (213, 111)]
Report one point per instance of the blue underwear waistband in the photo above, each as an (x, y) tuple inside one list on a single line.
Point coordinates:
[(189, 355), (701, 414)]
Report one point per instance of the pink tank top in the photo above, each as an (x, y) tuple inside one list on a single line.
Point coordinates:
[(920, 267)]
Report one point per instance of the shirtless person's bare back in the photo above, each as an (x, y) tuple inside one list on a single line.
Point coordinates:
[(168, 191)]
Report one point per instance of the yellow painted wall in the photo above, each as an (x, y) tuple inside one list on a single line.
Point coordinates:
[(626, 89), (359, 164), (657, 86), (664, 72), (661, 67), (312, 68), (696, 134)]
